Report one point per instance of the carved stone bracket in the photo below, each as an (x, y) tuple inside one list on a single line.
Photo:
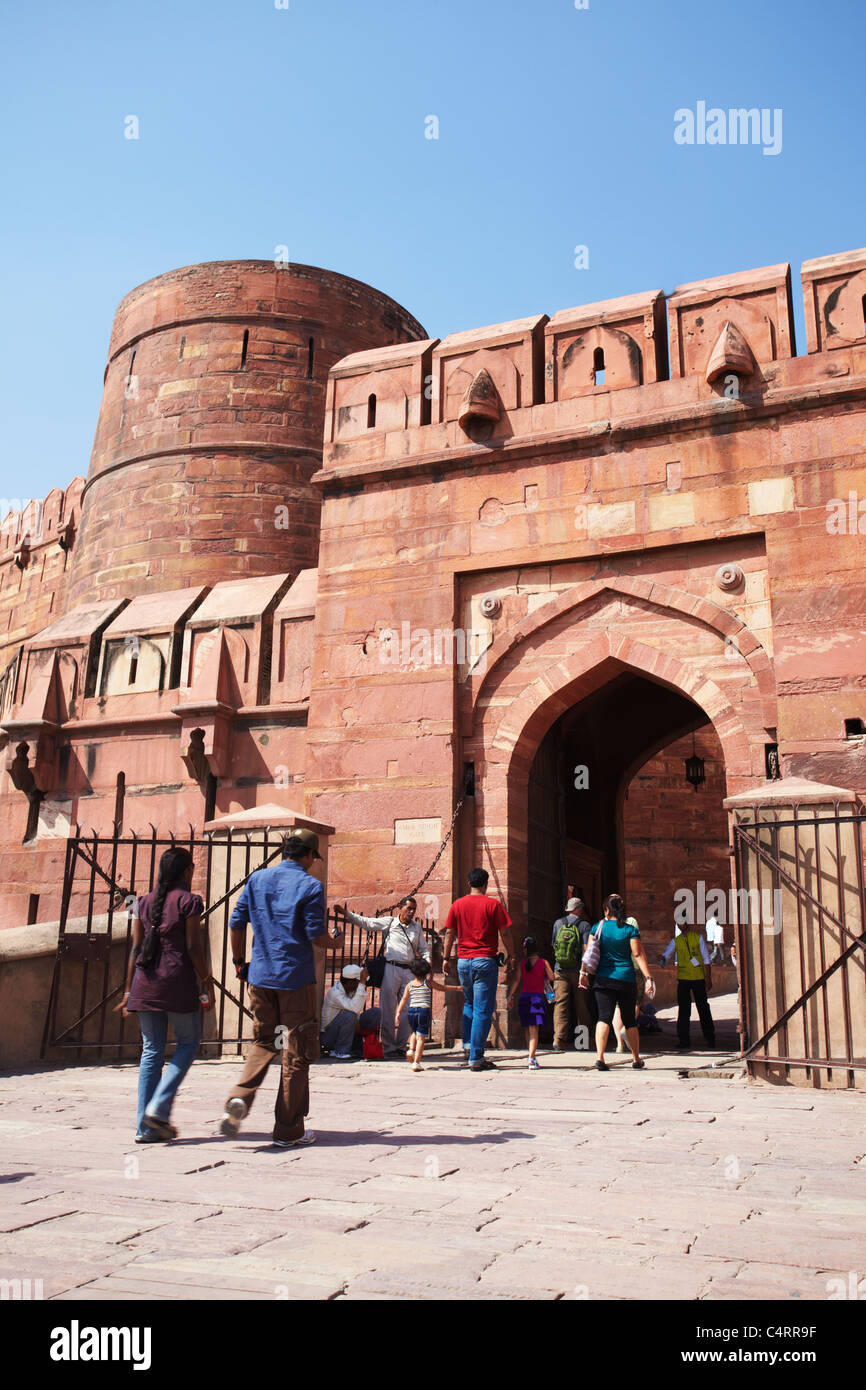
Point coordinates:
[(205, 738)]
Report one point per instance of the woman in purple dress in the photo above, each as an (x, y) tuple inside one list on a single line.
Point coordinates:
[(161, 987)]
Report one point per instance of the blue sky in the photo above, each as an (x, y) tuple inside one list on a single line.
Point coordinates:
[(306, 127)]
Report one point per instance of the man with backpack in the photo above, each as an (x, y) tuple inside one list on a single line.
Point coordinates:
[(570, 935)]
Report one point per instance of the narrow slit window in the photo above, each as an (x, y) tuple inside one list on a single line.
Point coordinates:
[(133, 666), (598, 366), (863, 312), (180, 349), (311, 350), (131, 367), (119, 798), (371, 412), (245, 346), (210, 795)]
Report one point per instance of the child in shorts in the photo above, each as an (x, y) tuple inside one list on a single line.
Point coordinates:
[(532, 983), (418, 999)]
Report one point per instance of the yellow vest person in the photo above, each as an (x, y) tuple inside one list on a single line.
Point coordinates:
[(693, 978)]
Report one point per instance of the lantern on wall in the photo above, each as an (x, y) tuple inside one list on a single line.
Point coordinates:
[(695, 768)]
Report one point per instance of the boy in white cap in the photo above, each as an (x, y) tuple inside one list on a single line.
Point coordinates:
[(344, 1015)]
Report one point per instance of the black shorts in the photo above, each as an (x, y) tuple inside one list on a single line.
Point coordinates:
[(609, 993)]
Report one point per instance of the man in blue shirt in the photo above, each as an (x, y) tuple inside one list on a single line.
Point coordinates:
[(285, 905)]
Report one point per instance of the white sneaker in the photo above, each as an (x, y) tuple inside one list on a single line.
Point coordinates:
[(416, 1066), (533, 1064), (342, 1056), (302, 1143), (236, 1110)]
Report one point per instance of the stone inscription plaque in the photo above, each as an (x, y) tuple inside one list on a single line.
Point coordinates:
[(417, 832)]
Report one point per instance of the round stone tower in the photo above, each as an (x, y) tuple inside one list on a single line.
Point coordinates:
[(211, 424)]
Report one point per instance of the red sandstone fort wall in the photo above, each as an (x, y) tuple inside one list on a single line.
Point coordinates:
[(491, 484), (612, 525)]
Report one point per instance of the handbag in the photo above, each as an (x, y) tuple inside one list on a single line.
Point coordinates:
[(371, 1047), (591, 954), (374, 966)]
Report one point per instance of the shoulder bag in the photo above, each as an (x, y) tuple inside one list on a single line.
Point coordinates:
[(375, 965), (592, 953)]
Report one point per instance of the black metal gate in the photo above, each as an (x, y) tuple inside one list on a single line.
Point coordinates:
[(801, 942), (101, 875)]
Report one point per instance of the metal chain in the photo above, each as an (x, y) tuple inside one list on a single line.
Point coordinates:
[(441, 847)]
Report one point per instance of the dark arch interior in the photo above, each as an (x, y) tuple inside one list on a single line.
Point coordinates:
[(623, 741)]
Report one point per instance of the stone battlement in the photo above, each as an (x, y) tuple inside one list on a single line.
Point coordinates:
[(37, 537), (711, 349)]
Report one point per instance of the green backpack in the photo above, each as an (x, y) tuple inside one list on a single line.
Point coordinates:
[(567, 948)]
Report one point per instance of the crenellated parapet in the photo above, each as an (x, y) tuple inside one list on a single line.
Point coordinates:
[(37, 539), (624, 366)]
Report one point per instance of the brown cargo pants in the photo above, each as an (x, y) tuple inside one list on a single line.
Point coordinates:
[(295, 1012), (566, 995)]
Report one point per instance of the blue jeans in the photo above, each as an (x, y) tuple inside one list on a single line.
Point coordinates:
[(157, 1090), (479, 977)]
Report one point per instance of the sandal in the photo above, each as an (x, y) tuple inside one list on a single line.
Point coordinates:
[(160, 1127)]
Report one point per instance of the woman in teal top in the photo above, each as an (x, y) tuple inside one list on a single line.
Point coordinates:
[(614, 983)]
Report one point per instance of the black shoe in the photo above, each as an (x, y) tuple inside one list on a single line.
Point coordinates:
[(602, 1066), (639, 1064), (483, 1065)]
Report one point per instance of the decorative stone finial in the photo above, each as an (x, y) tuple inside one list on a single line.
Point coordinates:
[(481, 401), (731, 355), (491, 606)]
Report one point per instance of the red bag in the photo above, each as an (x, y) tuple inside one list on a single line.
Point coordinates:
[(373, 1050)]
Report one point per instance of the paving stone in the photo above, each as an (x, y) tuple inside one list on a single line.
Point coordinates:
[(568, 1190), (23, 1217), (798, 1243), (760, 1279)]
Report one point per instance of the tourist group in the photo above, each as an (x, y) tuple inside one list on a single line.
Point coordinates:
[(596, 973)]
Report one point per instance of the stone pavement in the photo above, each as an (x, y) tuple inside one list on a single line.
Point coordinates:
[(561, 1183)]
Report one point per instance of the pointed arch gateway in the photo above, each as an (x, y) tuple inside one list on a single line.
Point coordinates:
[(532, 684)]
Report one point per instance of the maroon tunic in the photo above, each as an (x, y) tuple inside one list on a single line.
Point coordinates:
[(169, 985)]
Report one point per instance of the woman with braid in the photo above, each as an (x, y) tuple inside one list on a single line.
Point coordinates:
[(168, 951)]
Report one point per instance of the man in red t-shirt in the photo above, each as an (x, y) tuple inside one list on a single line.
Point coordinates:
[(478, 922)]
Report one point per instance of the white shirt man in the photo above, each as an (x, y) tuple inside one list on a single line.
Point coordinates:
[(337, 1000), (344, 1014), (716, 938), (404, 940)]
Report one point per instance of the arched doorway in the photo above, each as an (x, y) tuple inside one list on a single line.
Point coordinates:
[(619, 672), (609, 807)]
